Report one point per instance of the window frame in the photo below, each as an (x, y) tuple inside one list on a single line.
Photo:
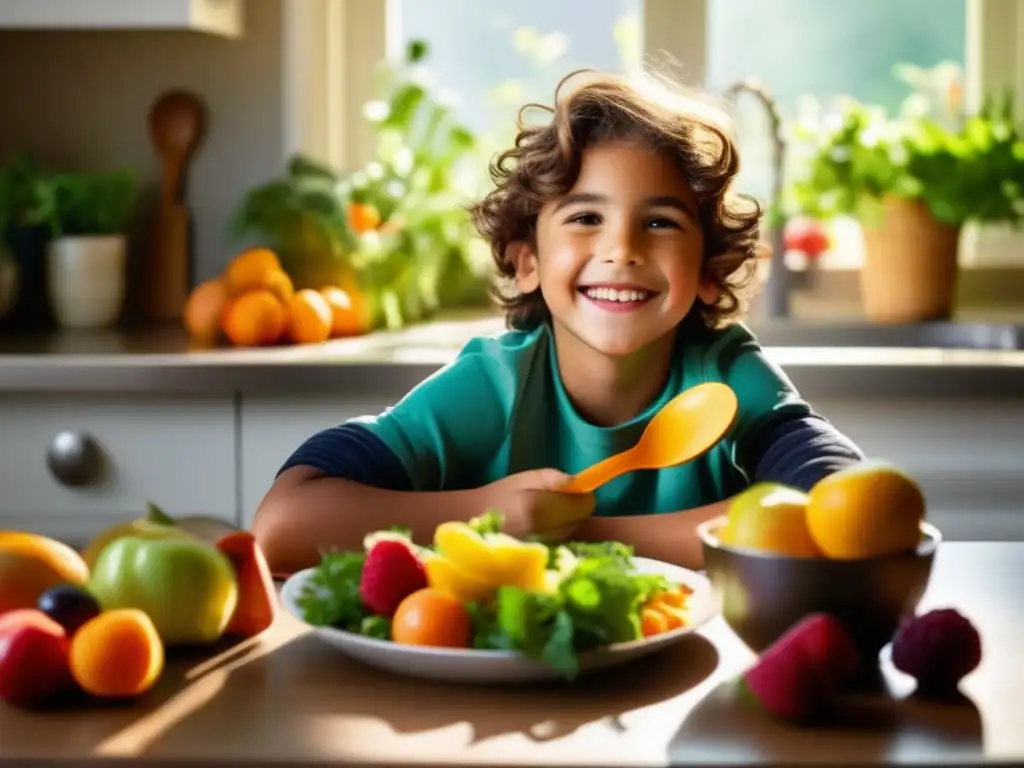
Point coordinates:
[(331, 48)]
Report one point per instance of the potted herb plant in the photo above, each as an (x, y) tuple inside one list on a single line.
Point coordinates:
[(395, 230), (23, 237), (88, 214), (913, 181)]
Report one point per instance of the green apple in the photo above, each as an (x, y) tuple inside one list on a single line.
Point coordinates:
[(186, 586)]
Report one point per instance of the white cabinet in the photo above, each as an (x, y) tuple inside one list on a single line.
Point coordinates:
[(179, 452), (273, 427), (215, 17)]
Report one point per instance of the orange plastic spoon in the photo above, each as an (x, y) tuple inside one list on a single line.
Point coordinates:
[(688, 426)]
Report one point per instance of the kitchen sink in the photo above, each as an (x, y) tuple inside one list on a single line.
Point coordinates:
[(937, 335)]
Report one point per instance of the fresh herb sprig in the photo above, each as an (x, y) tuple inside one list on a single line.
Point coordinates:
[(597, 604)]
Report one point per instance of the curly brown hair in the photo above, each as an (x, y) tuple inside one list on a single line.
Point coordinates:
[(545, 161)]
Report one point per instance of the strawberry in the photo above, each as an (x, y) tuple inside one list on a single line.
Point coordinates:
[(938, 649), (802, 670), (830, 646), (391, 573)]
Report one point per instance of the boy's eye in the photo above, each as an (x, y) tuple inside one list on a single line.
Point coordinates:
[(586, 219), (662, 223)]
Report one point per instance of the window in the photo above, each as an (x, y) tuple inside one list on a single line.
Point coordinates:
[(809, 54), (493, 55), (501, 55)]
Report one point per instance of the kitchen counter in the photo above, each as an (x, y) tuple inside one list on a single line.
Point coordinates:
[(290, 699), (160, 360)]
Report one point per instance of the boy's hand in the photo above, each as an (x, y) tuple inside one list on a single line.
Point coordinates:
[(532, 505)]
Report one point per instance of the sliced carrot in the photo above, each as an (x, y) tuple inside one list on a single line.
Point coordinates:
[(673, 617), (674, 597), (652, 622)]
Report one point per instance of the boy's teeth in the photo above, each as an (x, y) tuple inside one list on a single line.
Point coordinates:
[(613, 294)]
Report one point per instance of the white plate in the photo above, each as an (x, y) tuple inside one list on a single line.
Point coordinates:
[(473, 666)]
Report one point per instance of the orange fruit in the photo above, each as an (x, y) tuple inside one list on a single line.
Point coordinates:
[(247, 269), (866, 510), (363, 217), (770, 518), (203, 309), (117, 654), (30, 564), (429, 617), (278, 283), (347, 318), (309, 317), (254, 319)]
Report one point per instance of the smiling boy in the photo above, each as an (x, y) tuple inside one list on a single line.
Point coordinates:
[(624, 250)]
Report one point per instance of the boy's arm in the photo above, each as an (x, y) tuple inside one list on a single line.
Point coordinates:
[(392, 469)]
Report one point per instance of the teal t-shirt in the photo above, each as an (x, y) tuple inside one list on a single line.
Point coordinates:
[(500, 408)]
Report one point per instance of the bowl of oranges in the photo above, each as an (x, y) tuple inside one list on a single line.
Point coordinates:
[(857, 546)]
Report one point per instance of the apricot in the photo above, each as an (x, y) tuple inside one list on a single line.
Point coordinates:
[(348, 315), (432, 618), (117, 654), (204, 308), (254, 319), (309, 318), (30, 564), (249, 268)]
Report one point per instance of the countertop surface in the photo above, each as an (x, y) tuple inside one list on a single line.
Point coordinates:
[(161, 359), (290, 699)]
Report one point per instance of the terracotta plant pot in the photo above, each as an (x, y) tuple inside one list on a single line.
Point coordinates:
[(910, 265)]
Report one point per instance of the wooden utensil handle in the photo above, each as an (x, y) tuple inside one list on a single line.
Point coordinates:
[(167, 271)]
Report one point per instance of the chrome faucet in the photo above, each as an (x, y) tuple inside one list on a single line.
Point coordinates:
[(780, 280)]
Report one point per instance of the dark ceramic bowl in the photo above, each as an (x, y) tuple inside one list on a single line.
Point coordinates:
[(763, 594)]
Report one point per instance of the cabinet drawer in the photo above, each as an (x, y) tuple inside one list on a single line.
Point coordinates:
[(274, 427), (177, 452)]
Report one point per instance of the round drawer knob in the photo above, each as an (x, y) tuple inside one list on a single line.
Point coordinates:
[(74, 459)]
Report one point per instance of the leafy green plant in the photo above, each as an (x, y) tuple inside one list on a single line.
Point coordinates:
[(302, 212), (89, 203), (964, 168), (422, 255), (24, 188)]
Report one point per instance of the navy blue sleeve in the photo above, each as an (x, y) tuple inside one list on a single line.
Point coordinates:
[(352, 452), (800, 452)]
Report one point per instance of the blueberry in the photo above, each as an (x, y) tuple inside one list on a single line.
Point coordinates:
[(69, 606)]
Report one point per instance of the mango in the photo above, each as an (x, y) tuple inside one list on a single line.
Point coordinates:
[(30, 564), (866, 510)]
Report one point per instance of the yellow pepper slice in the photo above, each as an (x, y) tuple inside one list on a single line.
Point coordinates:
[(445, 576)]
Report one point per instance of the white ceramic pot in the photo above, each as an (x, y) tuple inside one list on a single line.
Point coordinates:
[(86, 280)]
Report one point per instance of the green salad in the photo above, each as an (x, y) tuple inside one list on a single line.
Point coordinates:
[(589, 597)]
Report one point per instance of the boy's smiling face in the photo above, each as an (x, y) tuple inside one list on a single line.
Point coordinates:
[(618, 259)]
